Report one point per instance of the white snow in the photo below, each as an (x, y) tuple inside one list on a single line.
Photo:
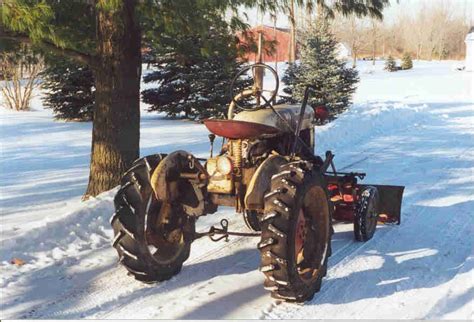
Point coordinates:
[(413, 128), (469, 60)]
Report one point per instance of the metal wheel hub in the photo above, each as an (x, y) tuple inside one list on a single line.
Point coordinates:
[(300, 237)]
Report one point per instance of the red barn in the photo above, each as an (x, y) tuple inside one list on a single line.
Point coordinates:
[(280, 37)]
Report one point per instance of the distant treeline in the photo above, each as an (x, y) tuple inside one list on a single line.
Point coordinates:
[(436, 31)]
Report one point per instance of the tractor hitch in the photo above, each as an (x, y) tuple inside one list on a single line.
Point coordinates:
[(224, 232)]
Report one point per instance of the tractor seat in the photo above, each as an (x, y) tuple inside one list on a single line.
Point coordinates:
[(233, 129)]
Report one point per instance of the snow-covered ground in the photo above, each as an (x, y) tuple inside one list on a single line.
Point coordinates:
[(413, 128)]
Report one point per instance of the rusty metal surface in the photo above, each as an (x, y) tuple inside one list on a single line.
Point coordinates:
[(221, 184), (169, 186), (235, 129), (223, 199)]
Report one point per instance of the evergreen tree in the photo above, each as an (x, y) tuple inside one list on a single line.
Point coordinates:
[(191, 81), (361, 8), (391, 64), (69, 90), (319, 66), (407, 63), (290, 81)]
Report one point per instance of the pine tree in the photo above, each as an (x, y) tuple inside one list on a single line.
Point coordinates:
[(407, 63), (391, 64), (193, 82), (290, 81), (69, 90), (320, 67)]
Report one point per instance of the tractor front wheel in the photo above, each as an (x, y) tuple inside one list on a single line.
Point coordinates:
[(152, 238), (296, 233)]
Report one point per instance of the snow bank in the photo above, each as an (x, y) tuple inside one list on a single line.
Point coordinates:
[(362, 121), (83, 229)]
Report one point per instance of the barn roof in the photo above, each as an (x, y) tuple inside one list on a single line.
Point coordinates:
[(278, 28), (285, 30)]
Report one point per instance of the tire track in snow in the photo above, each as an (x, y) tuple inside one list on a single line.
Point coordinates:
[(106, 285), (193, 284), (205, 286)]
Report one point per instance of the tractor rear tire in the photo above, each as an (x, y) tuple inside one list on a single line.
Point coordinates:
[(149, 251), (366, 214), (296, 233)]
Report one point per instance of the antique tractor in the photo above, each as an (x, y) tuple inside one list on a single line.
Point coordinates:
[(266, 169)]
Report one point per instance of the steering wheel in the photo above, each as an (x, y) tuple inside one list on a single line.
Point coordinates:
[(257, 89)]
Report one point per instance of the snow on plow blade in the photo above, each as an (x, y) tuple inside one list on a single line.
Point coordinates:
[(390, 202)]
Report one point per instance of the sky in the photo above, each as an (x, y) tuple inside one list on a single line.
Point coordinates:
[(461, 7)]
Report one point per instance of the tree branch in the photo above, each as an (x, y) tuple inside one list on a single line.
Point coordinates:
[(87, 59)]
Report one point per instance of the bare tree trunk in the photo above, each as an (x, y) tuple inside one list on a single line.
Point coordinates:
[(275, 39), (309, 18), (17, 91), (374, 48), (354, 54), (374, 40), (116, 127), (292, 56), (320, 11)]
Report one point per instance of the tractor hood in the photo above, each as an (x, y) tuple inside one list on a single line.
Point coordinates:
[(267, 117)]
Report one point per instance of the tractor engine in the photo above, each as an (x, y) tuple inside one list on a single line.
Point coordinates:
[(230, 173)]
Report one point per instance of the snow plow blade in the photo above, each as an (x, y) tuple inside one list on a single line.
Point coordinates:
[(390, 203)]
